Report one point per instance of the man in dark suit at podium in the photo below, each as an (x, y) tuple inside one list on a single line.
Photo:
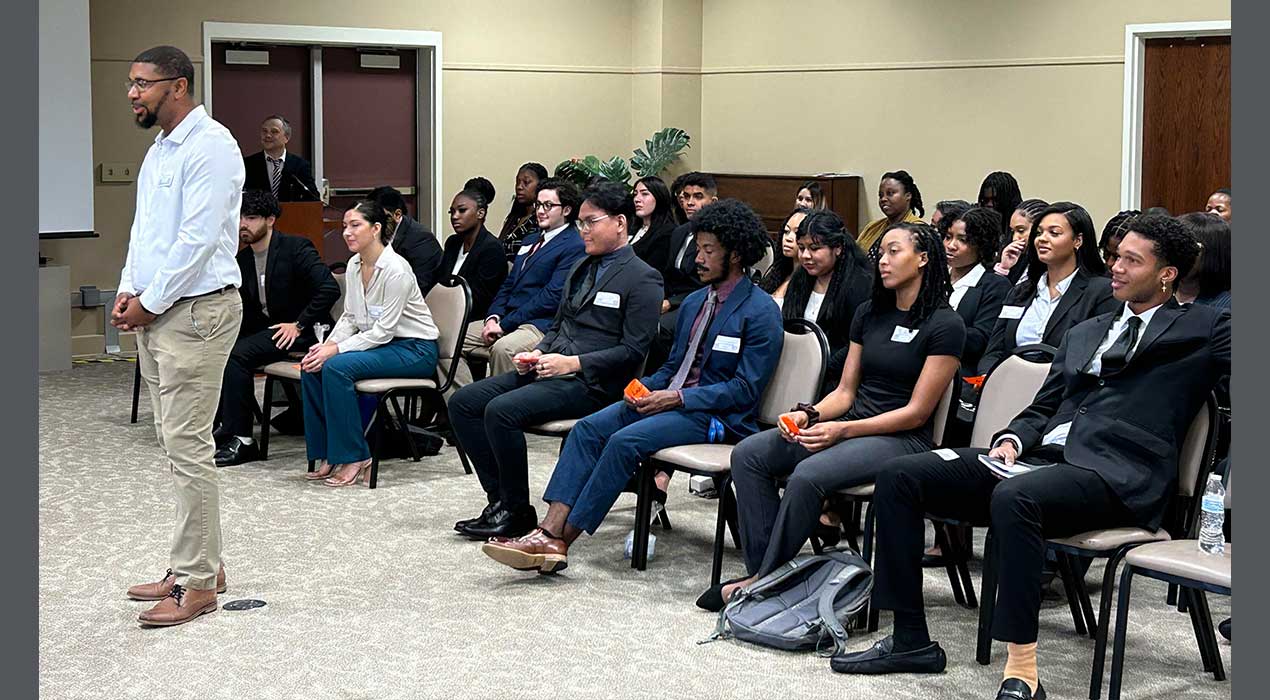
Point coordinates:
[(286, 290), (287, 176)]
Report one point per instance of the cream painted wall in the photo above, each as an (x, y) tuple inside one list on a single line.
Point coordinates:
[(948, 90)]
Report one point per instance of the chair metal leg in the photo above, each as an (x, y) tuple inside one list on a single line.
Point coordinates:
[(663, 518), (730, 515), (716, 561), (643, 513), (1082, 597), (136, 390), (377, 428), (1201, 642), (867, 554), (1104, 621), (1171, 598), (988, 602), (266, 419), (1200, 601), (1069, 589), (1122, 624), (954, 580)]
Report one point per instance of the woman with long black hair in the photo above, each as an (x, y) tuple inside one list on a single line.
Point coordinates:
[(776, 280), (656, 212)]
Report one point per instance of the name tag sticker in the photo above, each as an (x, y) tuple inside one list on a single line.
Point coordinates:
[(946, 454), (1011, 312), (375, 311), (903, 335), (609, 300), (523, 249), (726, 343)]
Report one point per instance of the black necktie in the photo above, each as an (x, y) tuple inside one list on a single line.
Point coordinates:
[(588, 283), (1118, 354)]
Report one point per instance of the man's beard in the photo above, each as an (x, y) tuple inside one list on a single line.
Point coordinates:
[(147, 119)]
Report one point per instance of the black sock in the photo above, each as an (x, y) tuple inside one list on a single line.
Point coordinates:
[(910, 631)]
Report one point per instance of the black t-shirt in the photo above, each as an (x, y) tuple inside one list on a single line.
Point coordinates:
[(889, 366)]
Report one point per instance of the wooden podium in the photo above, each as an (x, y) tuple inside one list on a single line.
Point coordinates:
[(302, 219)]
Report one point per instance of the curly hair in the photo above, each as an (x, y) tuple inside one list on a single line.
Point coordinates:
[(1087, 257), (982, 227), (1172, 241), (1117, 226), (260, 203), (936, 284), (827, 228), (902, 177), (737, 227)]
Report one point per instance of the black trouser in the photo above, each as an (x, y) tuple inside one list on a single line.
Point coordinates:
[(1023, 511), (238, 389), (489, 417)]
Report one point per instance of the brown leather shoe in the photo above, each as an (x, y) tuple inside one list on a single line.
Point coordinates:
[(181, 606), (537, 550), (160, 589)]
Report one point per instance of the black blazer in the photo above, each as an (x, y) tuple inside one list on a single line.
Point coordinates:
[(297, 183), (979, 308), (612, 326), (1088, 296), (654, 247), (681, 280), (300, 288), (1128, 426), (484, 269), (414, 242)]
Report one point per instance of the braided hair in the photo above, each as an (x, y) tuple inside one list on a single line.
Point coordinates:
[(826, 228), (1003, 190), (902, 177), (936, 284), (1117, 226)]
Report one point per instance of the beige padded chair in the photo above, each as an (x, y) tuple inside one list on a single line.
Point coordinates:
[(1181, 563), (798, 376), (1194, 463), (765, 263), (449, 302)]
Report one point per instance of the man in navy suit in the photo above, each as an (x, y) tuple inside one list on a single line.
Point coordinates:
[(1109, 422), (285, 175), (727, 342), (522, 311)]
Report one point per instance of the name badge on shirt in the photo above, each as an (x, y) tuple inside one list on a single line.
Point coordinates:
[(165, 179), (375, 311), (1011, 312), (609, 300), (523, 249), (903, 335), (946, 454), (727, 343)]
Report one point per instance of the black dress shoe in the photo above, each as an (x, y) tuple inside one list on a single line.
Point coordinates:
[(504, 522), (1224, 628), (1017, 689), (712, 599), (485, 513), (882, 658), (934, 560), (237, 452), (220, 438)]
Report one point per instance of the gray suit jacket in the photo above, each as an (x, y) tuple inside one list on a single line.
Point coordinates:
[(612, 326)]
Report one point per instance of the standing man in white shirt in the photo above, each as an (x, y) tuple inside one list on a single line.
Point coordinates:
[(178, 291)]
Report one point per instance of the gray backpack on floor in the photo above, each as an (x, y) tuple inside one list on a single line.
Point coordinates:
[(801, 604)]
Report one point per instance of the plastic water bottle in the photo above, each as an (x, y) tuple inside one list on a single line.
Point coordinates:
[(1212, 516), (652, 539)]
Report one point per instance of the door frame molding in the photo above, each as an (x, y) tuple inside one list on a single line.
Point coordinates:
[(427, 45), (1135, 41)]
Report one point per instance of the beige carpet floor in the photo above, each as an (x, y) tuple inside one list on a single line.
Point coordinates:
[(371, 595)]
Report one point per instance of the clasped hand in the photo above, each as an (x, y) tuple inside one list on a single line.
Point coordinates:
[(317, 356), (128, 314), (818, 436), (655, 402)]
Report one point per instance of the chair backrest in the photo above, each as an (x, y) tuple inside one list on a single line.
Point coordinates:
[(449, 302), (942, 412), (338, 309), (1006, 392), (1195, 459), (765, 263), (799, 372)]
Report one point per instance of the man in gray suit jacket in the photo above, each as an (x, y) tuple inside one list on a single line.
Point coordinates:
[(597, 342)]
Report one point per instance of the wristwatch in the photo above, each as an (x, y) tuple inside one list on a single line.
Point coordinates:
[(299, 326), (813, 416)]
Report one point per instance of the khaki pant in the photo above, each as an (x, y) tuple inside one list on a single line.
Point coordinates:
[(523, 339), (182, 356)]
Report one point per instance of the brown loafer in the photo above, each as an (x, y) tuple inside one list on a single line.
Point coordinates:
[(181, 606), (538, 550), (162, 588)]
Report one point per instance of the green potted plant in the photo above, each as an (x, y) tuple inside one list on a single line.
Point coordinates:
[(659, 152)]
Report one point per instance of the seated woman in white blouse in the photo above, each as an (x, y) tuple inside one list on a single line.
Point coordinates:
[(386, 331)]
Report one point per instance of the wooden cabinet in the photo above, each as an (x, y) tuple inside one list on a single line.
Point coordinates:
[(772, 196)]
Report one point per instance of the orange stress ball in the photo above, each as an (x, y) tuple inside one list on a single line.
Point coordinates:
[(636, 390)]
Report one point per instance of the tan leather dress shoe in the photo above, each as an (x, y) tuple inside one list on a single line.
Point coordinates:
[(181, 606), (161, 588), (535, 551)]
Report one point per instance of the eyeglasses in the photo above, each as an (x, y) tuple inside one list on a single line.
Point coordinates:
[(143, 84), (546, 206), (585, 225)]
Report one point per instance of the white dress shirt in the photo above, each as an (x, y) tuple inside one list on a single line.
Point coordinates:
[(638, 235), (811, 311), (459, 260), (968, 280), (1058, 436), (1031, 327), (387, 308), (546, 238), (185, 229)]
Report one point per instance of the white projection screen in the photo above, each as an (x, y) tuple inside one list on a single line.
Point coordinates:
[(66, 124)]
